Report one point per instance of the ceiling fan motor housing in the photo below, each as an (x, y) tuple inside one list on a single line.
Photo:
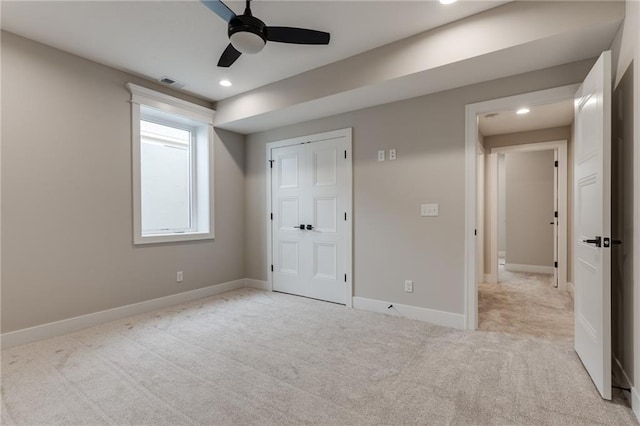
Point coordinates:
[(247, 34)]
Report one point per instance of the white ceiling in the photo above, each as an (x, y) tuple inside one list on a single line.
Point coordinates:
[(183, 39), (539, 117)]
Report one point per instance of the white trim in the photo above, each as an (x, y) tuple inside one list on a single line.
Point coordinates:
[(160, 101), (57, 328), (635, 402), (563, 203), (620, 374), (471, 136), (502, 253), (570, 288), (492, 205), (536, 269), (633, 397), (447, 319), (258, 284), (143, 103), (342, 133)]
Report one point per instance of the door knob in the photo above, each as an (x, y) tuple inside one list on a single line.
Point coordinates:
[(597, 241), (309, 227)]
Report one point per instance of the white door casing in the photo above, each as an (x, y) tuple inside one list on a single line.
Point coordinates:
[(562, 207), (592, 221), (310, 185), (480, 220), (541, 97)]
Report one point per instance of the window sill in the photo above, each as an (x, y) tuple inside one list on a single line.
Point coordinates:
[(172, 238)]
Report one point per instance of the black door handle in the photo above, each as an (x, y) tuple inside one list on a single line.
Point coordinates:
[(597, 241), (309, 227), (301, 227)]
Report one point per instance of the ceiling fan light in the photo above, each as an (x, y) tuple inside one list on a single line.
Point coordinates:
[(247, 42)]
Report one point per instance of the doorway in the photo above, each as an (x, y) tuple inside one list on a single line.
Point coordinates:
[(591, 236), (309, 187), (530, 202)]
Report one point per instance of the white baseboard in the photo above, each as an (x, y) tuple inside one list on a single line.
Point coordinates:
[(258, 284), (571, 289), (52, 329), (635, 402), (537, 269), (446, 319), (502, 254), (625, 382)]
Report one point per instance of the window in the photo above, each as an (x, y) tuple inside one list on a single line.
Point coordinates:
[(172, 154)]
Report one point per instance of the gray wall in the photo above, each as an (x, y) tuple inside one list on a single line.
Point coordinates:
[(529, 193), (66, 195), (532, 136), (391, 241)]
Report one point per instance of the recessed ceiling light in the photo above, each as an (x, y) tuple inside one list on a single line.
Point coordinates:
[(225, 83), (448, 1), (523, 111)]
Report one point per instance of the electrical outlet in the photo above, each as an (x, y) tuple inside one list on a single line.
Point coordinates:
[(408, 286), (179, 277), (392, 154), (381, 155), (429, 210)]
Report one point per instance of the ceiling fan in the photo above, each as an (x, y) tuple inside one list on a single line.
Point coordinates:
[(249, 34)]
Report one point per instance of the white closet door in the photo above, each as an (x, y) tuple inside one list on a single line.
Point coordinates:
[(289, 186), (326, 240), (309, 189)]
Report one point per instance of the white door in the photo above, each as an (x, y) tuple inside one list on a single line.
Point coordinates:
[(309, 195), (592, 224)]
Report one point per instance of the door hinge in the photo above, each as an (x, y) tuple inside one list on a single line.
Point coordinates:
[(555, 214), (475, 232), (345, 153), (271, 216), (556, 163), (345, 215), (345, 278), (555, 264), (271, 268), (271, 163)]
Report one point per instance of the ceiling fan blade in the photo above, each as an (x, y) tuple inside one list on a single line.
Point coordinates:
[(220, 9), (228, 57), (296, 35)]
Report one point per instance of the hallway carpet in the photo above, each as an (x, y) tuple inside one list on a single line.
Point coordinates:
[(525, 304), (254, 357)]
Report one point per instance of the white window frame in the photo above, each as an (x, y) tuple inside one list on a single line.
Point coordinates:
[(153, 106)]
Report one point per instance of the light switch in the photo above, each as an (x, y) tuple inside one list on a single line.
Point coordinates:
[(392, 154), (381, 155), (429, 210)]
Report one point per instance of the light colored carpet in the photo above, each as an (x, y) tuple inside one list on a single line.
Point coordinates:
[(254, 357), (525, 304)]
